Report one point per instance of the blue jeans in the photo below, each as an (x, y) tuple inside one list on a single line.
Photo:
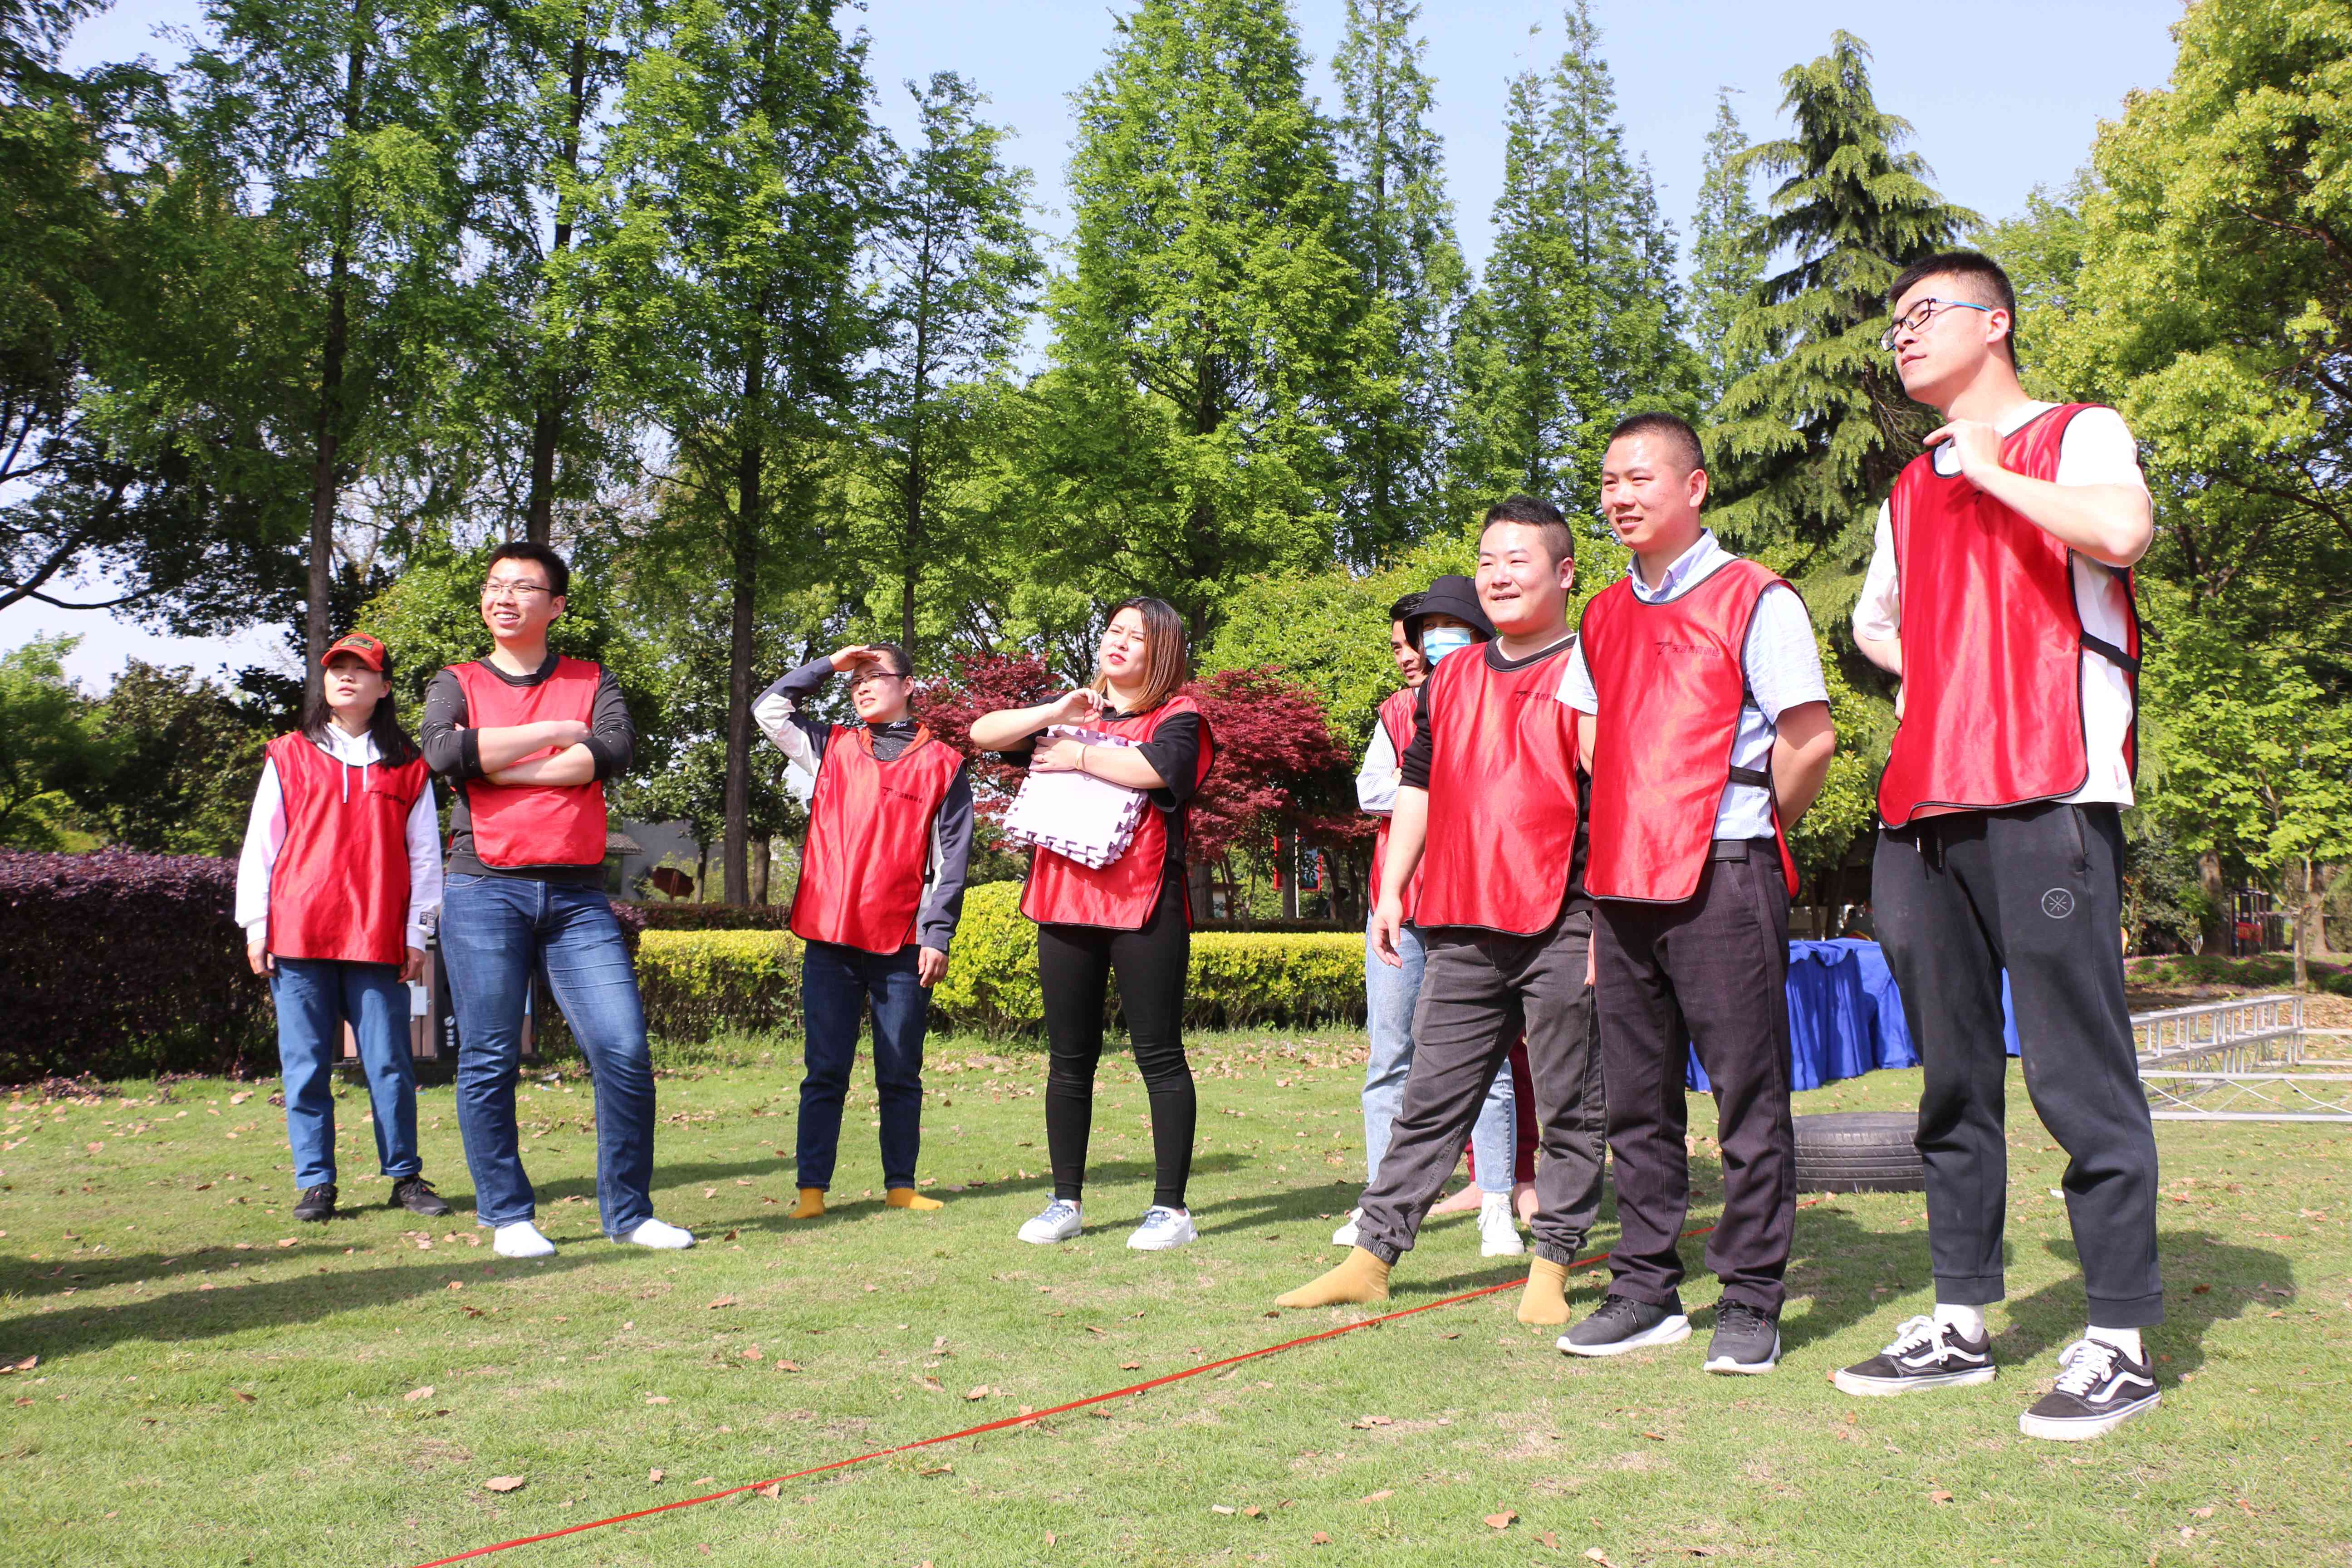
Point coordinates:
[(1389, 999), (837, 985), (497, 932), (315, 997)]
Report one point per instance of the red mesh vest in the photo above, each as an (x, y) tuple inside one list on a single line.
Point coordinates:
[(1122, 895), (1992, 642), (1670, 688), (1502, 795), (521, 826), (870, 839), (1397, 719), (339, 888)]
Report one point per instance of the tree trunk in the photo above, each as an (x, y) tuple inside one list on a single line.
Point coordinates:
[(1285, 849), (324, 483), (762, 857), (748, 522), (701, 873), (2305, 909), (547, 417), (2213, 929)]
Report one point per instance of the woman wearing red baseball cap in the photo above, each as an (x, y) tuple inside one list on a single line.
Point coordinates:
[(341, 867)]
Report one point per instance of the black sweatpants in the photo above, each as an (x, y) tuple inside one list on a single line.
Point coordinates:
[(1710, 972), (2037, 890), (1075, 964), (1479, 989)]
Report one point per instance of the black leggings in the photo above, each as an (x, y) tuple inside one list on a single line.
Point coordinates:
[(1073, 968)]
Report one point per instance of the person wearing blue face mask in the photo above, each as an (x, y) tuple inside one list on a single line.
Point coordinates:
[(1423, 629)]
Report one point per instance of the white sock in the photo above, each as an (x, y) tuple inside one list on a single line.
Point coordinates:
[(655, 1233), (1487, 1201), (1967, 1321), (2124, 1340), (521, 1240)]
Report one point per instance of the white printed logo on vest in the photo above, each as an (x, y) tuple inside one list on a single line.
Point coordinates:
[(2057, 903)]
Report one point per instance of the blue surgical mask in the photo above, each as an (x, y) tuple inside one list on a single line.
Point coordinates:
[(1436, 642)]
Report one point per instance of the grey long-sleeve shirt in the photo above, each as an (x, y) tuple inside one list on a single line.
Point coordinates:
[(453, 749), (802, 740)]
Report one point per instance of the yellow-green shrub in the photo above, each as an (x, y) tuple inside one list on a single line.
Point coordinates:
[(699, 982)]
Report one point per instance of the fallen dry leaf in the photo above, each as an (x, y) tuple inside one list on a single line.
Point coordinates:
[(2205, 1512), (711, 1192), (653, 1478), (1939, 1495), (1380, 1496), (286, 1241), (244, 1395), (240, 1097), (980, 1391), (1655, 1437), (1550, 1541), (1318, 1539), (414, 1394), (770, 1488), (1366, 1422), (27, 1365), (752, 1353), (503, 1484), (1130, 1366), (937, 1470), (1252, 1511), (1049, 1538), (657, 1399), (789, 1366), (722, 1301), (1597, 1556), (1501, 1521), (1219, 1507)]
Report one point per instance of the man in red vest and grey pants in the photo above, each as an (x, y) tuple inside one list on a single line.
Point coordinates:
[(1487, 813), (2001, 593), (1708, 736), (881, 886), (527, 738)]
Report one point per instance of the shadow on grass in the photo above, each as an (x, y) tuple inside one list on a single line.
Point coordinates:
[(2207, 1281), (189, 1312)]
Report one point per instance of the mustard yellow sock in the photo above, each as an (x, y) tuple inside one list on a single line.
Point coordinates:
[(1360, 1276), (908, 1198), (812, 1203), (1545, 1300)]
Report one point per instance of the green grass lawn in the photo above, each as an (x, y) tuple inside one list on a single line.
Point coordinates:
[(218, 1384)]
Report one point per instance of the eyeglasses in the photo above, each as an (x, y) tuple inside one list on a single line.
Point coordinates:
[(1914, 320), (511, 592)]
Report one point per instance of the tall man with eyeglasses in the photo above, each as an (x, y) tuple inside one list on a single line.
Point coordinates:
[(2000, 593), (881, 889), (527, 738)]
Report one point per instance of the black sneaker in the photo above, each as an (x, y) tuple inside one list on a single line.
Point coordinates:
[(2099, 1389), (1925, 1354), (1746, 1341), (316, 1202), (1620, 1323), (415, 1194)]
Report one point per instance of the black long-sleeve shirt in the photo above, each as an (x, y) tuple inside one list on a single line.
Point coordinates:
[(947, 862), (453, 749)]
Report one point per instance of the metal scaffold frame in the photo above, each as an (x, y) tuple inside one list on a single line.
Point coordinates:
[(2238, 1060)]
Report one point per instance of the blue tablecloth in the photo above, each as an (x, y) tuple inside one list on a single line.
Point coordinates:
[(1844, 1015)]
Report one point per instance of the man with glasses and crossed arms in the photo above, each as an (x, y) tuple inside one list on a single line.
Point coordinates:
[(2000, 593), (527, 738), (881, 889)]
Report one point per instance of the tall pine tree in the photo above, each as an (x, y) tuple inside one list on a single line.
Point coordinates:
[(1727, 258), (1206, 331), (1400, 231), (1807, 443)]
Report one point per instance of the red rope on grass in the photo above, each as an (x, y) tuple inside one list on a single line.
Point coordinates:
[(1579, 1264)]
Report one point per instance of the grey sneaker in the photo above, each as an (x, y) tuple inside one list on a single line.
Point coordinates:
[(1620, 1323), (1164, 1228), (2099, 1389), (1746, 1341), (1058, 1221)]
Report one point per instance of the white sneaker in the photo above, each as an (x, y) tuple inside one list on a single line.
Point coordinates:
[(653, 1233), (1058, 1221), (521, 1240), (1498, 1227), (1164, 1228), (1346, 1235)]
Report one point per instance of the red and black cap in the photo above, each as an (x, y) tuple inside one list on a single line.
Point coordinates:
[(360, 646)]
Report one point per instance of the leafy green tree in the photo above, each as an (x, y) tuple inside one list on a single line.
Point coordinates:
[(740, 180), (1808, 442), (1401, 232), (1727, 258), (309, 109), (2254, 760), (1205, 331), (961, 272), (53, 746), (187, 755)]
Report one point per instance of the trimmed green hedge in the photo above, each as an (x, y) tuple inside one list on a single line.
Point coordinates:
[(700, 984), (2269, 969)]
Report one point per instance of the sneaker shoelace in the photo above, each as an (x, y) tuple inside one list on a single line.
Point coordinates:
[(1914, 1334), (1737, 1317), (1160, 1218), (1059, 1210), (2086, 1364)]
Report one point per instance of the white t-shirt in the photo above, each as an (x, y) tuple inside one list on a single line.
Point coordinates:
[(1781, 662), (2097, 449)]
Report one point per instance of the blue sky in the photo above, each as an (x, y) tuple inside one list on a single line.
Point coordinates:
[(2004, 96)]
